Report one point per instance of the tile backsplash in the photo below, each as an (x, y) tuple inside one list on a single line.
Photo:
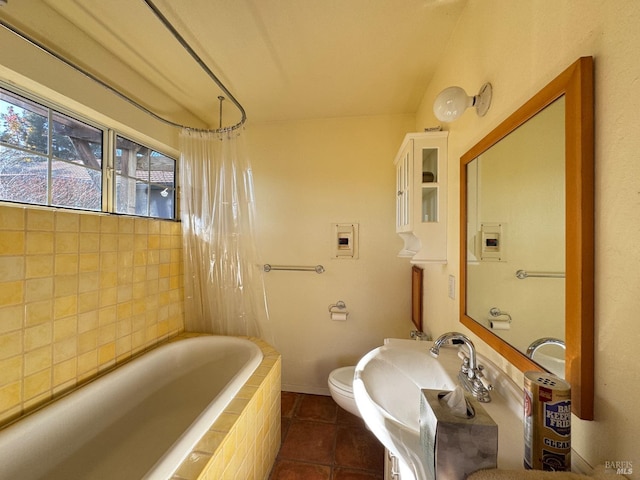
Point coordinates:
[(79, 293)]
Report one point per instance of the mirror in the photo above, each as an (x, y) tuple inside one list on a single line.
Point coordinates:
[(526, 254), (516, 223)]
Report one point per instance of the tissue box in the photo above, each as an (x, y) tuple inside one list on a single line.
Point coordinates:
[(454, 446)]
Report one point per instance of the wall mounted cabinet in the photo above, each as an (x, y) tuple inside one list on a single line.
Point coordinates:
[(421, 197)]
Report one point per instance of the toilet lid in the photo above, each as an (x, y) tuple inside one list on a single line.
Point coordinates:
[(342, 378)]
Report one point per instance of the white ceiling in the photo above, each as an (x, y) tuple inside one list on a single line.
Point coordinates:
[(282, 59)]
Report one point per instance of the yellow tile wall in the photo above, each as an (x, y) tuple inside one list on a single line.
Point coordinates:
[(80, 293)]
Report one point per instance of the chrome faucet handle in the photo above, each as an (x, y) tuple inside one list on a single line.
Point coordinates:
[(464, 368), (482, 379)]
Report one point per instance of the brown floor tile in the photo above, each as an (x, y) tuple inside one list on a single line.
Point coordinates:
[(285, 423), (340, 473), (288, 470), (322, 441), (312, 442), (346, 418), (317, 408), (358, 448), (288, 401)]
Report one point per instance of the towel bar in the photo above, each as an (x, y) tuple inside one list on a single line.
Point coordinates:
[(318, 268)]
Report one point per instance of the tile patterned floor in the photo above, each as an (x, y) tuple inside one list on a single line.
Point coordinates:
[(321, 441)]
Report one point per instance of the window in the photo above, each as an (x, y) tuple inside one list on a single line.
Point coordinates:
[(50, 158), (145, 180)]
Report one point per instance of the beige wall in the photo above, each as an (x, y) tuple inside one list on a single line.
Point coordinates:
[(308, 175), (519, 47)]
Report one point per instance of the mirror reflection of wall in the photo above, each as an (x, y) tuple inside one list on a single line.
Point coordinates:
[(516, 195)]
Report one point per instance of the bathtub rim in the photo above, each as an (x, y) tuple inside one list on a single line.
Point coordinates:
[(120, 364)]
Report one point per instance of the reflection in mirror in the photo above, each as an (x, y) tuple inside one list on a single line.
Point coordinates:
[(526, 224), (516, 221)]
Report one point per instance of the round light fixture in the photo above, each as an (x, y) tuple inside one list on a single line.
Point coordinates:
[(451, 103)]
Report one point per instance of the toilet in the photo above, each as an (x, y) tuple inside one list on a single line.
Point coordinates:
[(341, 388), (341, 379)]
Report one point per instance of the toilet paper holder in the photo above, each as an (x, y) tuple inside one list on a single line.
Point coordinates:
[(495, 312), (338, 309)]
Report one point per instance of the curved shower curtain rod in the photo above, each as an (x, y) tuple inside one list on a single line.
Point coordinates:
[(113, 90)]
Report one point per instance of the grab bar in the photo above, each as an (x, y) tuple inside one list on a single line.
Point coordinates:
[(317, 268), (522, 274)]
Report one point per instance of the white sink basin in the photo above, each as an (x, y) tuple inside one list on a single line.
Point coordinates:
[(387, 386)]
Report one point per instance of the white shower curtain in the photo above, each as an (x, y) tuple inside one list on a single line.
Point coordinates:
[(224, 289)]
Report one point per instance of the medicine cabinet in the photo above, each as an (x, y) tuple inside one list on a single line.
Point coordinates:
[(421, 197)]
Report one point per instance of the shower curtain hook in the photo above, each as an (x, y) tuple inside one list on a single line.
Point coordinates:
[(221, 98)]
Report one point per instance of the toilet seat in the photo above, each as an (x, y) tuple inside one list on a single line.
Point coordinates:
[(342, 379), (341, 389)]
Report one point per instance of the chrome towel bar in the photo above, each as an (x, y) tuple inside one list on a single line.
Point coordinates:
[(317, 268), (522, 274)]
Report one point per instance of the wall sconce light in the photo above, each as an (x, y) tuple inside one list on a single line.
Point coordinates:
[(451, 103)]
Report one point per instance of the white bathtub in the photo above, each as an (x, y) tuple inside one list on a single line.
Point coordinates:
[(139, 421)]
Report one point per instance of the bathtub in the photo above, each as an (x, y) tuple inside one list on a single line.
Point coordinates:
[(138, 421)]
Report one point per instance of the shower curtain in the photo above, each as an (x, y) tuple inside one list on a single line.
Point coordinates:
[(224, 289)]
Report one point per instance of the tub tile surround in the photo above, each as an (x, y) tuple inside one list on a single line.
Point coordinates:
[(244, 441), (80, 293)]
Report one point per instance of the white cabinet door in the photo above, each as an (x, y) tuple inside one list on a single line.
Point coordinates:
[(404, 178)]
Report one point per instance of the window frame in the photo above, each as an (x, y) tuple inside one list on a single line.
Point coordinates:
[(109, 136)]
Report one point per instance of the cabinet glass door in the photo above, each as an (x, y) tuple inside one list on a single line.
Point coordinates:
[(429, 185)]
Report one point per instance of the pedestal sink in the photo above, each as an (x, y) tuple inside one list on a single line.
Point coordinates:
[(387, 387)]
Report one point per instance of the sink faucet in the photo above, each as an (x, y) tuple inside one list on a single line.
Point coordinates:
[(470, 375), (536, 344)]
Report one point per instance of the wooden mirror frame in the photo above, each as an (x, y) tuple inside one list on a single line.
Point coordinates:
[(576, 84), (417, 293)]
